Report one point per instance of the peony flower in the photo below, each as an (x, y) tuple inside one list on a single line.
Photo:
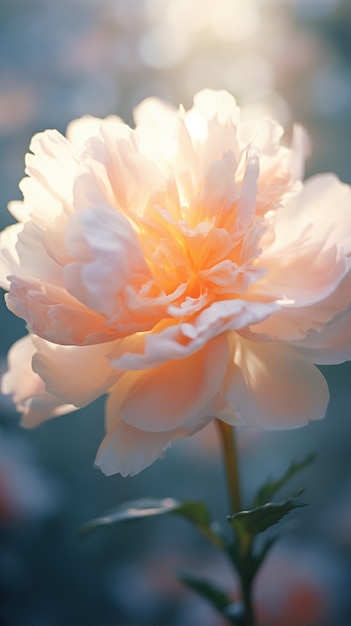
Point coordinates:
[(181, 268)]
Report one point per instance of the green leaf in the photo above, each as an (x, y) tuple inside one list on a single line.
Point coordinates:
[(196, 512), (218, 598), (135, 510), (271, 487), (132, 511), (255, 521), (258, 558), (233, 611)]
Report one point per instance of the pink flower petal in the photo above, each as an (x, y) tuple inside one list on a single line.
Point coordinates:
[(272, 386), (54, 314), (75, 374), (80, 131), (9, 261), (171, 395), (175, 341), (308, 265), (226, 315), (106, 254), (52, 165), (331, 345), (320, 210), (28, 389), (127, 450)]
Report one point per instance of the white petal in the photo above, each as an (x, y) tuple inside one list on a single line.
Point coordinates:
[(53, 166), (108, 256), (272, 386), (156, 118), (128, 450), (173, 394), (54, 315), (212, 124), (75, 374), (35, 255), (319, 287), (126, 176), (308, 265), (143, 350), (227, 315), (220, 190), (321, 211), (177, 341), (79, 131), (28, 389), (9, 261), (247, 202), (42, 407), (331, 345), (19, 380), (216, 104)]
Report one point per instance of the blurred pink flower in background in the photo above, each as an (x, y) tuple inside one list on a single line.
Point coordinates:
[(298, 586), (181, 268)]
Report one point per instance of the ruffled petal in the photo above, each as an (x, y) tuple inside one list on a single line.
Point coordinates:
[(321, 210), (308, 265), (32, 248), (152, 116), (54, 315), (127, 450), (52, 167), (107, 257), (219, 192), (143, 350), (173, 394), (324, 292), (117, 166), (226, 315), (331, 345), (217, 104), (272, 386), (174, 341), (9, 261), (28, 389), (80, 131), (213, 126), (74, 374)]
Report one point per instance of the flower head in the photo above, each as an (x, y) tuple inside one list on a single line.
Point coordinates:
[(183, 269)]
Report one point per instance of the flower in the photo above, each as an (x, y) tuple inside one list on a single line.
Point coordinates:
[(183, 269)]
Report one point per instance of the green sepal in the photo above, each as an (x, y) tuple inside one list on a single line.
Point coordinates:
[(215, 596), (255, 521), (271, 487), (194, 511)]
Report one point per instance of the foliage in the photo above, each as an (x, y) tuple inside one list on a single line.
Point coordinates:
[(262, 515)]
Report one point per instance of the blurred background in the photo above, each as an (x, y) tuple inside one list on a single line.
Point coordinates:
[(290, 59)]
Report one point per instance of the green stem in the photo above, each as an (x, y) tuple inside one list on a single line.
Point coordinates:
[(243, 563), (228, 441)]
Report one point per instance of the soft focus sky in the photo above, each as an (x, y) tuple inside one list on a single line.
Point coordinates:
[(60, 59)]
